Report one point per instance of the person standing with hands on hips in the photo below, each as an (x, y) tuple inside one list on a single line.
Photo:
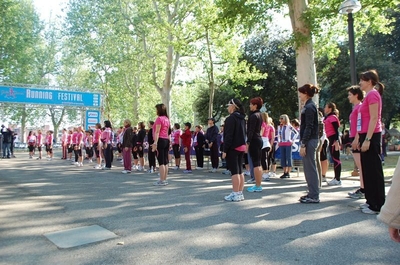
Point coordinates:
[(309, 137)]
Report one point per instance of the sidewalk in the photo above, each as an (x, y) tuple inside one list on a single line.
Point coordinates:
[(186, 222)]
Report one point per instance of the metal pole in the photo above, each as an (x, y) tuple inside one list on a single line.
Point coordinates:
[(353, 72)]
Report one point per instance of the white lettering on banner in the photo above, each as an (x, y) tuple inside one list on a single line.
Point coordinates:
[(93, 114), (35, 94), (70, 97)]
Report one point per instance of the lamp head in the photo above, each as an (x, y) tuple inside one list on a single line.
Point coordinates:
[(349, 6)]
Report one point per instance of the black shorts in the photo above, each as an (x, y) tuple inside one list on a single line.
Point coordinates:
[(176, 149), (162, 151), (70, 149), (96, 149), (234, 161), (31, 148), (49, 148), (140, 150)]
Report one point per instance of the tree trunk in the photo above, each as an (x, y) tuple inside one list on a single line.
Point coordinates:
[(305, 65), (211, 81)]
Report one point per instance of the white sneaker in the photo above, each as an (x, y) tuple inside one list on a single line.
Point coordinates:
[(74, 163), (226, 172), (232, 197), (364, 205), (97, 167), (175, 168), (125, 171), (80, 165), (265, 176), (247, 173), (334, 182), (199, 168), (213, 170), (140, 168), (272, 174)]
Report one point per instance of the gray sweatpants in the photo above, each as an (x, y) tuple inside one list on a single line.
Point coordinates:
[(310, 169)]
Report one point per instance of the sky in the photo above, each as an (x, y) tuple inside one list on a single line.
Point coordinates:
[(47, 8)]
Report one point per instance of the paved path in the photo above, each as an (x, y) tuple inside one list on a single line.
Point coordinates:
[(186, 222)]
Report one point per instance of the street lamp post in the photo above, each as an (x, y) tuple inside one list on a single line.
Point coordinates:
[(349, 7)]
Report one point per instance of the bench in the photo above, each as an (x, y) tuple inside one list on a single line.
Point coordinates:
[(297, 163)]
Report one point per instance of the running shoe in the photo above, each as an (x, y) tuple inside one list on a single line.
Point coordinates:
[(364, 205), (307, 199), (358, 194), (125, 171), (213, 170), (265, 177), (232, 197), (187, 171), (160, 183), (254, 189), (335, 182)]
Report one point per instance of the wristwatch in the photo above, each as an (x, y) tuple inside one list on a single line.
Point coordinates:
[(302, 145), (367, 139)]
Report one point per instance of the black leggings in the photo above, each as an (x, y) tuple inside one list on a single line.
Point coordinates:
[(337, 165), (264, 158), (255, 151)]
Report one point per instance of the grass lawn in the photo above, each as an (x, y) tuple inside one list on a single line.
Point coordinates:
[(348, 165)]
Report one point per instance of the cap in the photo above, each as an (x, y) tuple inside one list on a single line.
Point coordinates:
[(188, 124), (230, 103), (211, 119)]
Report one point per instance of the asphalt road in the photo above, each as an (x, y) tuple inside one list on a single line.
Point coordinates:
[(186, 222)]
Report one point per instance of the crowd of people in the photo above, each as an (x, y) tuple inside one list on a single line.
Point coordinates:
[(247, 147)]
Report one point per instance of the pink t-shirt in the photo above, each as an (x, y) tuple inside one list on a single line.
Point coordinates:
[(329, 129), (364, 116), (241, 148), (39, 139), (265, 129), (69, 139), (106, 136), (96, 137), (80, 138), (75, 138), (353, 121), (176, 135), (49, 139), (164, 122)]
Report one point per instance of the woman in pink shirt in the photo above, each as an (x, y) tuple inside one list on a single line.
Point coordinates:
[(368, 140), (31, 140), (69, 145), (97, 145), (268, 136), (161, 135), (106, 139), (355, 96), (332, 125), (49, 145), (176, 147)]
